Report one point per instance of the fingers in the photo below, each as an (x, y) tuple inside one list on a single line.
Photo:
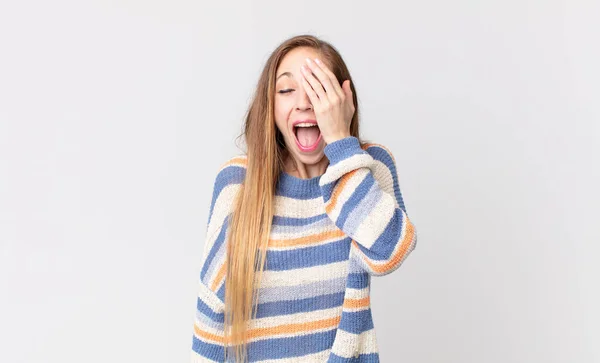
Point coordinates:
[(314, 83), (327, 79), (314, 98), (332, 79)]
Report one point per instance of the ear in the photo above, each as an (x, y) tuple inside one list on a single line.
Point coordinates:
[(347, 89)]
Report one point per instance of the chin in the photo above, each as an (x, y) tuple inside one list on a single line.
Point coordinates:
[(313, 158)]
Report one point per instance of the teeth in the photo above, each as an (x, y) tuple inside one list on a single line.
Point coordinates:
[(305, 124)]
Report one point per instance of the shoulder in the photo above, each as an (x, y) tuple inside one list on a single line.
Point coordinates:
[(240, 161), (385, 171), (384, 167), (233, 171), (380, 153), (229, 177)]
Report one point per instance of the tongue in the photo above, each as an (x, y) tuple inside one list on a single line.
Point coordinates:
[(308, 135)]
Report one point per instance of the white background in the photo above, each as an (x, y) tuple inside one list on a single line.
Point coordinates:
[(115, 115)]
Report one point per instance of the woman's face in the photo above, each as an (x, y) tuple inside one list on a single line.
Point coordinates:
[(292, 105)]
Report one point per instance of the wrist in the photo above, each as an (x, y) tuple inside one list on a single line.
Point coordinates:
[(343, 148)]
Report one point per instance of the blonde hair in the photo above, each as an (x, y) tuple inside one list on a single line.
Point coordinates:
[(250, 223)]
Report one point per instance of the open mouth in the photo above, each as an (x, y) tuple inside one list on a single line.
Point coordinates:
[(307, 135)]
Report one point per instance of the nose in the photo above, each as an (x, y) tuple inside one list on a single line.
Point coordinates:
[(303, 101)]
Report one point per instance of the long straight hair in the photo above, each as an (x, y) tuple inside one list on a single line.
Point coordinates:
[(250, 221)]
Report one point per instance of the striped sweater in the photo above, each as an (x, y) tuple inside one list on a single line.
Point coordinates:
[(330, 234)]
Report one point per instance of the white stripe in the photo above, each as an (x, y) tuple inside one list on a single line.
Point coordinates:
[(384, 178), (362, 209), (347, 344), (298, 208), (210, 298), (347, 192), (357, 293), (305, 275), (412, 244), (373, 225), (211, 327), (222, 208), (334, 172)]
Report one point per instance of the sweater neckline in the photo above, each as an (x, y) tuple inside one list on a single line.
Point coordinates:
[(296, 187)]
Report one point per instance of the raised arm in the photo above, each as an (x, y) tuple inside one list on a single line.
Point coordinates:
[(362, 197)]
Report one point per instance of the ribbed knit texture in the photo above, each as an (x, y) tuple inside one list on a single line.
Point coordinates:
[(330, 234)]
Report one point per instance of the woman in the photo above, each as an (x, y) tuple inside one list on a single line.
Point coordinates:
[(298, 225)]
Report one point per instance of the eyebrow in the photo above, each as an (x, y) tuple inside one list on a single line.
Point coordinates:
[(289, 74)]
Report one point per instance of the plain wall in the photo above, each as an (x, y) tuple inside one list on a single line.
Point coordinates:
[(115, 116)]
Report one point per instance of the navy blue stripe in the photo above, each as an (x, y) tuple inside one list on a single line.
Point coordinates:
[(297, 188), (308, 256), (339, 150), (382, 155), (384, 245), (357, 195), (206, 310), (357, 280), (215, 247), (362, 358), (292, 221), (285, 307), (327, 190), (301, 305), (221, 292), (356, 322), (208, 350)]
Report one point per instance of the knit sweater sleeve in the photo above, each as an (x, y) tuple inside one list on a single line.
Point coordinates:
[(362, 197), (208, 336)]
